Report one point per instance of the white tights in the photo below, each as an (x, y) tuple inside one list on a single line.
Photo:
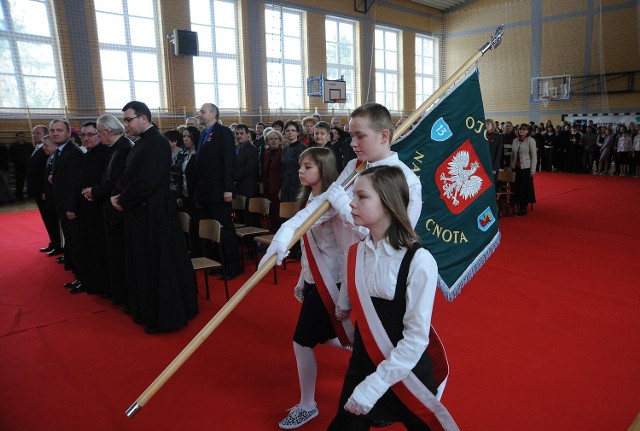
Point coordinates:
[(308, 372)]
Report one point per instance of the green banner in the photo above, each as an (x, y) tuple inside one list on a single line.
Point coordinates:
[(449, 151)]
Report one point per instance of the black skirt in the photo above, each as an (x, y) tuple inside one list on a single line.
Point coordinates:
[(314, 323)]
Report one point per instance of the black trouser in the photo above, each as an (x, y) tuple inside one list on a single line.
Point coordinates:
[(50, 220), (73, 244)]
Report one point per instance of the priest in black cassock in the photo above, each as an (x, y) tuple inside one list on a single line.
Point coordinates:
[(162, 283)]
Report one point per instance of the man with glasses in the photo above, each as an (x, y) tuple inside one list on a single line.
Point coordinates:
[(92, 221), (111, 132), (163, 289), (215, 173)]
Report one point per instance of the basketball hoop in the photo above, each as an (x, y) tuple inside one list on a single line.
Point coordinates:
[(546, 100)]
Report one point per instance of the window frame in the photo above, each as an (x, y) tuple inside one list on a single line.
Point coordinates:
[(283, 62), (381, 87), (13, 38), (421, 97), (129, 49), (351, 93), (214, 56)]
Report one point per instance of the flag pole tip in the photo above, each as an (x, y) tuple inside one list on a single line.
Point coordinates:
[(131, 411)]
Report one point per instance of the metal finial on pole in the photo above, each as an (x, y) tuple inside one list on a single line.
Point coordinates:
[(492, 44)]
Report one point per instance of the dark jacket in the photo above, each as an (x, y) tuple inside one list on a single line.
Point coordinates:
[(215, 165), (246, 176)]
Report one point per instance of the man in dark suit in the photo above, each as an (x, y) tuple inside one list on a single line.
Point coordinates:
[(162, 283), (65, 178), (34, 176), (246, 176), (215, 173)]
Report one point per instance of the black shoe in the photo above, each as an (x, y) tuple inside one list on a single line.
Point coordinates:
[(55, 252), (151, 330), (47, 249), (60, 259), (105, 295), (215, 271), (72, 284), (78, 289)]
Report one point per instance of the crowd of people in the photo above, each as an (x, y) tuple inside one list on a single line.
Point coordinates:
[(581, 147)]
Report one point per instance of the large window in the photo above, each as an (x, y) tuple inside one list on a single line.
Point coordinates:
[(341, 56), (426, 81), (283, 28), (129, 52), (386, 61), (216, 70), (29, 74)]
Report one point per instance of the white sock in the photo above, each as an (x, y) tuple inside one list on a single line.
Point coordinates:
[(307, 373)]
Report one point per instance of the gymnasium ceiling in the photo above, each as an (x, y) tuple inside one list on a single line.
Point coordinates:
[(440, 4)]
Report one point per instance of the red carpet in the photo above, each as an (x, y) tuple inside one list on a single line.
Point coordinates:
[(544, 337)]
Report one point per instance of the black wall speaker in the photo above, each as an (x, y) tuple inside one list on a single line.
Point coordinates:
[(185, 42)]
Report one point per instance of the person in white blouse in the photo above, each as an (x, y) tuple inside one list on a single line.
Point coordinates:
[(318, 286), (391, 281)]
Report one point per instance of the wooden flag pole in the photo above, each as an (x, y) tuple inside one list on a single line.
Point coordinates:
[(492, 44), (266, 267), (230, 305)]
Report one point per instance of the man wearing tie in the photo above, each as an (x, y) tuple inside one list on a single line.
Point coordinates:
[(65, 177)]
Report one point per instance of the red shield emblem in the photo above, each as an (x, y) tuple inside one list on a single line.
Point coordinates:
[(461, 178)]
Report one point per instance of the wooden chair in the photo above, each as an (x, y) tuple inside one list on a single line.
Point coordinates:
[(257, 206), (286, 211), (238, 206), (506, 177), (212, 233)]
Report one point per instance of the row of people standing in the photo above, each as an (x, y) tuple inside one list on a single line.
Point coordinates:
[(119, 224)]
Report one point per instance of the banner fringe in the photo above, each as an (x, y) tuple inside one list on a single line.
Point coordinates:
[(451, 292)]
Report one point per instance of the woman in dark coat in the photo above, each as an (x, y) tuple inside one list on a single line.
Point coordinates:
[(290, 185)]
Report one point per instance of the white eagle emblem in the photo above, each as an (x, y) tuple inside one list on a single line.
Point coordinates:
[(461, 183)]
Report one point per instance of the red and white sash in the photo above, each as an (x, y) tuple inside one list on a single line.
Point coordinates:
[(411, 391), (326, 285)]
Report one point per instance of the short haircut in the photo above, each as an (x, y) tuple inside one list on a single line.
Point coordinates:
[(378, 116), (323, 125), (242, 126), (278, 123), (391, 185), (111, 123), (89, 124), (139, 108), (19, 133), (309, 119), (45, 129), (259, 123), (194, 133), (273, 132), (65, 122), (294, 123), (213, 108), (173, 135)]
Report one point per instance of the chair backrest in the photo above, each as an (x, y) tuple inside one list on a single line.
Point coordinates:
[(210, 229), (184, 221), (288, 209), (507, 175), (259, 206), (239, 203)]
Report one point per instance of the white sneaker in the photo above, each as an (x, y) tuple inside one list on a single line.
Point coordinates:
[(297, 417)]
